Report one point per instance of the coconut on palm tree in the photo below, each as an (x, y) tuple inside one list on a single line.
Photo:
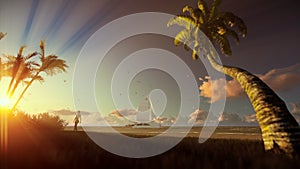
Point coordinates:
[(280, 130)]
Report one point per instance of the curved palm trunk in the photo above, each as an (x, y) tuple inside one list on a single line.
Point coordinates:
[(24, 91), (280, 130), (12, 92), (21, 95), (10, 84), (13, 77)]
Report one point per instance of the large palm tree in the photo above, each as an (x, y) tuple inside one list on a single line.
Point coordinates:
[(50, 65), (280, 131)]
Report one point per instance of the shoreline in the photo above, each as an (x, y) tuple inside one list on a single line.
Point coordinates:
[(221, 132)]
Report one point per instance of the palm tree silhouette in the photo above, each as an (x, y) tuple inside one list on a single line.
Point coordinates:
[(279, 128), (50, 65), (21, 68)]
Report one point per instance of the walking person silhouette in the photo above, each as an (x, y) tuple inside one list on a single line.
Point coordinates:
[(76, 120)]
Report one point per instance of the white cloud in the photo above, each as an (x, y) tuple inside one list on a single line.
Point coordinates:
[(250, 118), (231, 118), (66, 112), (197, 117), (123, 112), (165, 120)]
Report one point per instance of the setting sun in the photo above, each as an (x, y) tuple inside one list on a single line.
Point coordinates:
[(5, 102)]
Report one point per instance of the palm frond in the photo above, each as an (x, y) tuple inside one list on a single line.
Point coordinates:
[(224, 44), (52, 65), (195, 50), (39, 78), (222, 29), (187, 44), (24, 73), (42, 47), (29, 56), (194, 55), (233, 34), (186, 47), (182, 20), (21, 50), (26, 82), (9, 57), (196, 14), (182, 37), (202, 5), (234, 21), (188, 9), (214, 7), (32, 63)]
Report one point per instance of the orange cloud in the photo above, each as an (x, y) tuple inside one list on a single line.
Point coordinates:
[(210, 89), (282, 79), (123, 113), (198, 117), (279, 80)]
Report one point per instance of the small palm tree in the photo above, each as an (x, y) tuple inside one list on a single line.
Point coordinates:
[(50, 65), (280, 131), (21, 68)]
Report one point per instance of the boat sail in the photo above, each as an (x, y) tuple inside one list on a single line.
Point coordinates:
[(145, 116)]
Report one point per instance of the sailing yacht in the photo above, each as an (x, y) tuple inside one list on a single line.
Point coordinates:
[(145, 117)]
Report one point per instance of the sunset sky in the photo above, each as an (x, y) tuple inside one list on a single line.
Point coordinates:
[(270, 50)]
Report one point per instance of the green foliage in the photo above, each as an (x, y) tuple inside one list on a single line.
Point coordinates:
[(47, 120)]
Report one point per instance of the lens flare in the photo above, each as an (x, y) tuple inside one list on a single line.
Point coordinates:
[(5, 101)]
